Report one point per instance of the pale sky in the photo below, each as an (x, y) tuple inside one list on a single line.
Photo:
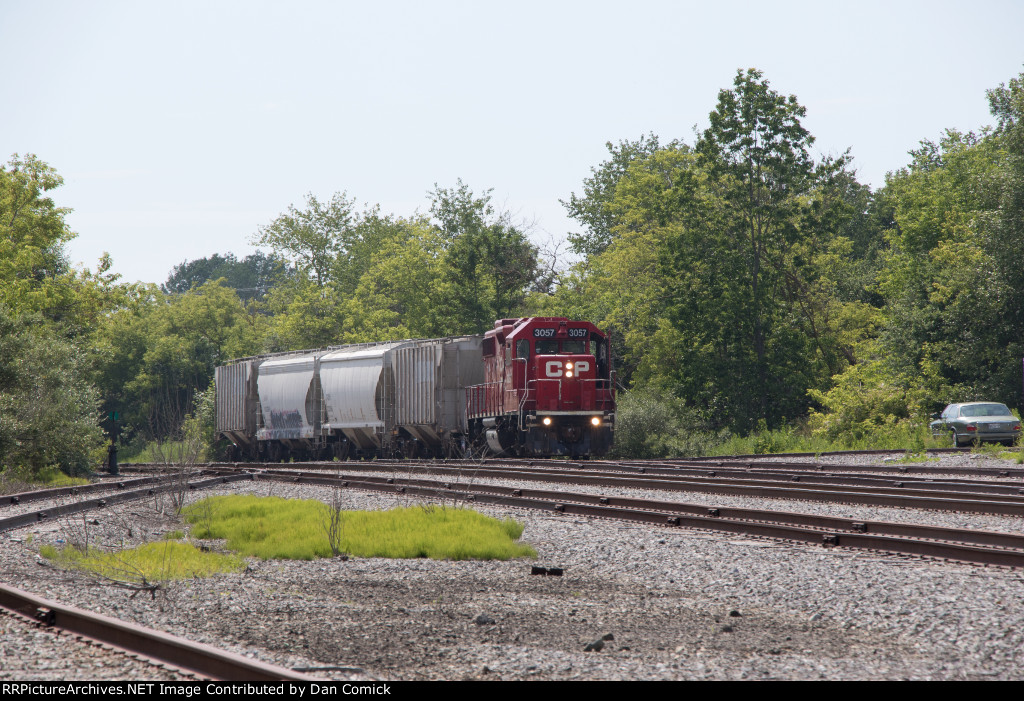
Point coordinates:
[(181, 127)]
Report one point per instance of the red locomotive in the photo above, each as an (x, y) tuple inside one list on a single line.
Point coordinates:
[(548, 389)]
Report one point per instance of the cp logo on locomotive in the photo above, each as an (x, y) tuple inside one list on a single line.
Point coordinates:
[(556, 368)]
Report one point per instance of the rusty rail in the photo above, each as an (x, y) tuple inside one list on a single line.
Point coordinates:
[(145, 642)]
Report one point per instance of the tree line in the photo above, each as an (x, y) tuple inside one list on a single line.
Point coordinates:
[(747, 285)]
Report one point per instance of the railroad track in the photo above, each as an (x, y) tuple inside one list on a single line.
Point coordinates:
[(462, 483), (139, 642), (963, 495), (142, 643), (978, 547)]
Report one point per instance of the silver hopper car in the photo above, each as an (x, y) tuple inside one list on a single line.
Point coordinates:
[(403, 398)]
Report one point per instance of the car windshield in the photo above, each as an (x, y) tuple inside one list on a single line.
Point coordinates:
[(985, 410)]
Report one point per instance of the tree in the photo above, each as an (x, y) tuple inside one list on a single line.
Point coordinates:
[(252, 278), (592, 208), (315, 237), (489, 263), (48, 408), (952, 276), (772, 217), (153, 357), (400, 292)]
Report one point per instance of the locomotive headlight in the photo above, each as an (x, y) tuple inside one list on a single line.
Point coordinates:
[(596, 421), (547, 420), (568, 366), (568, 373)]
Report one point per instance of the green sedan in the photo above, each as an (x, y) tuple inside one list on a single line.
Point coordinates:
[(975, 422)]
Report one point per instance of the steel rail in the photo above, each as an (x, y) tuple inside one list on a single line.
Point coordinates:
[(59, 492), (167, 485), (768, 472), (901, 468), (897, 495), (145, 642), (664, 465), (878, 451), (784, 474)]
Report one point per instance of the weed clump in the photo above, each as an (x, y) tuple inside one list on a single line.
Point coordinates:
[(294, 529), (153, 562)]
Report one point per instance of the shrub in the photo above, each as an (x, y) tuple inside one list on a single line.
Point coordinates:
[(650, 424)]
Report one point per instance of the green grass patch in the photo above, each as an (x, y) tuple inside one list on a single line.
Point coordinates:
[(800, 439), (13, 480), (174, 535), (160, 452), (53, 477), (153, 562), (294, 529)]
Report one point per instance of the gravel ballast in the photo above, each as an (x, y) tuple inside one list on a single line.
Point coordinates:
[(663, 603)]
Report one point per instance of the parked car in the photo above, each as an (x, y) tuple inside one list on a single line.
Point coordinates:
[(974, 422)]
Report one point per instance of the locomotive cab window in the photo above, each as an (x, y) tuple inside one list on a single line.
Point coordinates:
[(522, 348), (573, 347), (547, 347), (599, 349)]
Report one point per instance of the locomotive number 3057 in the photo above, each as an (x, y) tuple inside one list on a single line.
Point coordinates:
[(550, 333)]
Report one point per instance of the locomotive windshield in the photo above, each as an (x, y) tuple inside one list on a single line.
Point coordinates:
[(553, 347)]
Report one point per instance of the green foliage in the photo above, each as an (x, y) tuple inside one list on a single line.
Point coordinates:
[(48, 409), (14, 480), (593, 209), (952, 280), (764, 441), (753, 283), (32, 237), (251, 278), (53, 477), (649, 425), (152, 357), (314, 237), (488, 262), (162, 561), (872, 400), (271, 527)]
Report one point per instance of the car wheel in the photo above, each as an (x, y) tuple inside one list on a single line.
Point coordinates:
[(956, 439)]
